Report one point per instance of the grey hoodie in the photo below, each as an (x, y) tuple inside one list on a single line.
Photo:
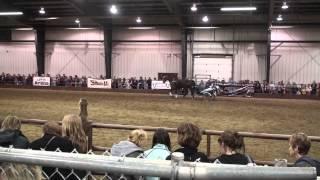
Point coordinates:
[(124, 148)]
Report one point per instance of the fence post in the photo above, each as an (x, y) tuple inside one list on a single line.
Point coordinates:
[(176, 161), (87, 125), (89, 134), (83, 113), (208, 145)]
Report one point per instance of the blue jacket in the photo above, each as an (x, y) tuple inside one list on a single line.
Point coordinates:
[(158, 152)]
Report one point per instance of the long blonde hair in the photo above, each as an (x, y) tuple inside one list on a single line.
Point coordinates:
[(138, 136), (72, 128), (11, 122), (12, 171)]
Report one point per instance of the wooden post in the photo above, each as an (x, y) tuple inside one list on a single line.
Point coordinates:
[(83, 112), (84, 119), (208, 145)]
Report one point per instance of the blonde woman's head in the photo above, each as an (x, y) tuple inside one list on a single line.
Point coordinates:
[(138, 136), (11, 122), (72, 128)]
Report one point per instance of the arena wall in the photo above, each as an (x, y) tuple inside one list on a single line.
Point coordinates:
[(146, 59), (292, 61), (147, 52), (249, 57)]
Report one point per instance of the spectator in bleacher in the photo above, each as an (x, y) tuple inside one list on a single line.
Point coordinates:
[(73, 130), (129, 148), (161, 145), (52, 141), (314, 88), (294, 88), (2, 78), (189, 138), (299, 146), (132, 146), (10, 133), (149, 82), (232, 149), (308, 89), (140, 83), (12, 171)]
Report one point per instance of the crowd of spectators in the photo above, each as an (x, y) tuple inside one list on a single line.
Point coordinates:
[(71, 135), (279, 88), (132, 83), (273, 88)]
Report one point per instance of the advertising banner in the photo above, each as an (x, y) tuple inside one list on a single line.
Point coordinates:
[(160, 85), (41, 81), (99, 83)]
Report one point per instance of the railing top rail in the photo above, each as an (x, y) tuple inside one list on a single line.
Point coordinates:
[(173, 130), (158, 168)]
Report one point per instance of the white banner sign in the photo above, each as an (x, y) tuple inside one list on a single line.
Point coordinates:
[(99, 83), (41, 81), (160, 85)]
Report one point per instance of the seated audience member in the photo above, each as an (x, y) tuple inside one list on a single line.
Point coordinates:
[(12, 171), (149, 82), (314, 88), (189, 138), (51, 141), (129, 148), (132, 146), (231, 144), (10, 133), (72, 129), (161, 147), (299, 146)]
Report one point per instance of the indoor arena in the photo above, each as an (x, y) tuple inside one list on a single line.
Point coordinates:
[(159, 89)]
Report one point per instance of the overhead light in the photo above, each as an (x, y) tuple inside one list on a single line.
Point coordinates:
[(138, 20), (42, 11), (45, 18), (205, 19), (141, 27), (23, 29), (284, 5), (80, 28), (113, 9), (238, 9), (281, 27), (52, 18), (203, 27), (13, 13), (194, 7), (279, 18), (77, 21)]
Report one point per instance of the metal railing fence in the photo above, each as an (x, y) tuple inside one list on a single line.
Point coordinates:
[(208, 133), (174, 169)]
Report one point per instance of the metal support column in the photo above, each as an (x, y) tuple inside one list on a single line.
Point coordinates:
[(40, 49), (108, 51), (184, 46), (268, 56)]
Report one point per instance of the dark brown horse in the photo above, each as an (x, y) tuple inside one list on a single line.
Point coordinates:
[(181, 85)]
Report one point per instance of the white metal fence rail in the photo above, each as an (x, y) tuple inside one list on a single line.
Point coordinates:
[(175, 169)]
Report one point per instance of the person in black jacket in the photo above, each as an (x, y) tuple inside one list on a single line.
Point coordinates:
[(10, 133), (232, 149), (52, 141), (299, 146), (189, 138)]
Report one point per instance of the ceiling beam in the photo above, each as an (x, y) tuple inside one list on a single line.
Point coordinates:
[(174, 9), (270, 15)]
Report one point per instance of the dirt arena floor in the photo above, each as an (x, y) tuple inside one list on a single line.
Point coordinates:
[(280, 116)]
